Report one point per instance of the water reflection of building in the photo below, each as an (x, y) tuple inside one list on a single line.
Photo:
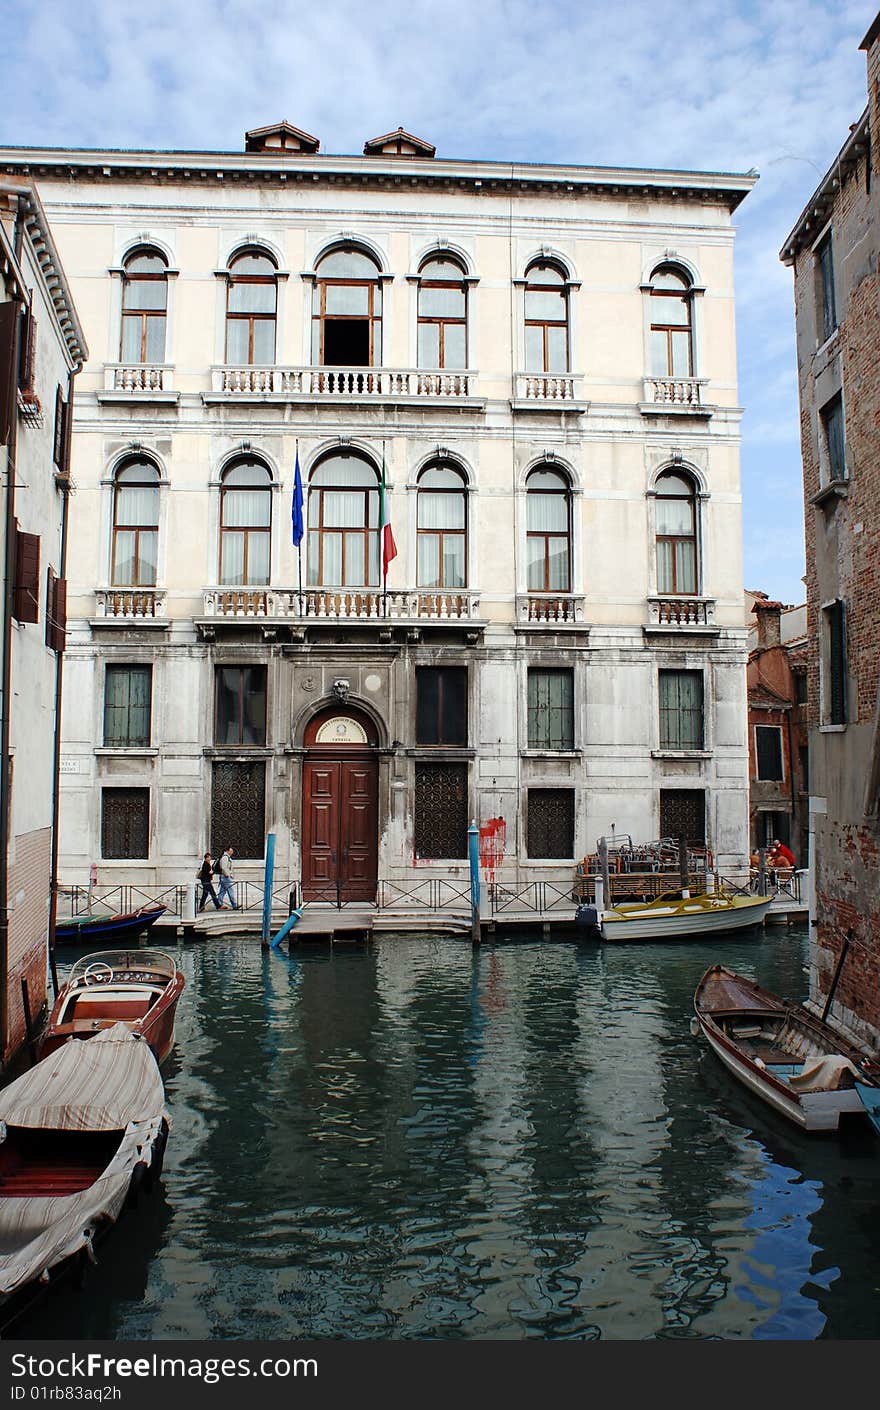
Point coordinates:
[(541, 360)]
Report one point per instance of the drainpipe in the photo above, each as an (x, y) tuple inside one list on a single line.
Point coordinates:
[(8, 602), (59, 675)]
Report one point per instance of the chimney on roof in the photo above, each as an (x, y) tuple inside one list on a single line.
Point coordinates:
[(769, 616)]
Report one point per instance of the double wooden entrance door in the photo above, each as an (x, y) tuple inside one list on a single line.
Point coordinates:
[(340, 828)]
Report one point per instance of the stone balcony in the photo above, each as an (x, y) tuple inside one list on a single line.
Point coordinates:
[(127, 607), (341, 386), (561, 609), (348, 606), (676, 613), (139, 382), (547, 391), (676, 396)]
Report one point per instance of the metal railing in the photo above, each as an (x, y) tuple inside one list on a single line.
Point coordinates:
[(117, 900), (435, 893), (537, 897)]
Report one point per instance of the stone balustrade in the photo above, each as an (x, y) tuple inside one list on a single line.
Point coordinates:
[(668, 611), (341, 604), (130, 603), (551, 609), (343, 383), (682, 393), (138, 377), (545, 387)]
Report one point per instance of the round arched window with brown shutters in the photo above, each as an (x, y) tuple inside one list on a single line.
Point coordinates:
[(144, 307)]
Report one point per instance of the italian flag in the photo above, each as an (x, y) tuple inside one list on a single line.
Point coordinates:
[(386, 537)]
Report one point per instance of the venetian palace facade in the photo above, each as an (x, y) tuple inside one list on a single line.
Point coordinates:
[(539, 362)]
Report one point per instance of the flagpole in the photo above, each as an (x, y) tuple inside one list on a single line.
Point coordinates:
[(384, 517), (298, 526), (299, 556)]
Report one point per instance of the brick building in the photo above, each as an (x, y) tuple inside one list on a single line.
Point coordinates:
[(833, 251), (778, 748)]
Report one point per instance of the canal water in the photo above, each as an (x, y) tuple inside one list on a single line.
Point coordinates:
[(419, 1140)]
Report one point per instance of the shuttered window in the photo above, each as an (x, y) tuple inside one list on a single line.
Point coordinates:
[(551, 709), (27, 363), (61, 440), (8, 368), (56, 611), (127, 702), (835, 694), (681, 709), (26, 597)]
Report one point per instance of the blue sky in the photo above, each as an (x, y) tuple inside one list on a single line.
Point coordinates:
[(708, 85)]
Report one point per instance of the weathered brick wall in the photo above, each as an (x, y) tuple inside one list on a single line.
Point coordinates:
[(843, 560), (28, 918)]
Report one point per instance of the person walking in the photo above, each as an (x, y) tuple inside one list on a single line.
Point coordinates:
[(206, 877), (226, 878)]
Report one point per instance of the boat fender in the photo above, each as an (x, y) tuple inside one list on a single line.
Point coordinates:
[(695, 1028)]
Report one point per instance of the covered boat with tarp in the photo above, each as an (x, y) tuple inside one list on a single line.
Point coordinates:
[(102, 926), (78, 1132), (796, 1063)]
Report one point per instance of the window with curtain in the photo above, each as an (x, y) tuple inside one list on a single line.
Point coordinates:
[(251, 306), (240, 709), (135, 524), (343, 541), (441, 706), (347, 310), (127, 700), (671, 309), (548, 531), (442, 528), (245, 524), (681, 709), (442, 314), (676, 528), (144, 307), (546, 318), (551, 709)]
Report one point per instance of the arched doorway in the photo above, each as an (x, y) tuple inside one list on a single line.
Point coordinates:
[(340, 822)]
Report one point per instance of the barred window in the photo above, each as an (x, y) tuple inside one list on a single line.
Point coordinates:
[(238, 808), (550, 823), (551, 709), (441, 811), (681, 709), (127, 700), (683, 814), (125, 823)]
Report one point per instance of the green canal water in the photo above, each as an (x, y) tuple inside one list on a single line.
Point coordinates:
[(422, 1141)]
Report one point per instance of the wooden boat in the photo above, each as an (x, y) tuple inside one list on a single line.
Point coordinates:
[(674, 917), (870, 1099), (81, 930), (779, 1051), (78, 1133), (139, 988)]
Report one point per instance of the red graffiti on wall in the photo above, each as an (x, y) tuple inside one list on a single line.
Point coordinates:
[(493, 837)]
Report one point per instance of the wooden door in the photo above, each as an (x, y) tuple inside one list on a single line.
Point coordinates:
[(340, 829)]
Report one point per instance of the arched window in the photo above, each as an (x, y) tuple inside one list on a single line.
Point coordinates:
[(546, 318), (344, 523), (548, 531), (671, 302), (442, 528), (135, 524), (245, 523), (347, 310), (442, 314), (251, 304), (676, 533), (144, 307)]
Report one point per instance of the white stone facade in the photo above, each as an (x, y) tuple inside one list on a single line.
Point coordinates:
[(600, 417)]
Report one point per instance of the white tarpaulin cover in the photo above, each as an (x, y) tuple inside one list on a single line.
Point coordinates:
[(98, 1085), (109, 1082)]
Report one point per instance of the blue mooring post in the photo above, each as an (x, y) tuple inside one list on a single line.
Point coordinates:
[(267, 887), (474, 857)]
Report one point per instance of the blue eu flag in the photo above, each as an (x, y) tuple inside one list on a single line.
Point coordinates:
[(297, 523)]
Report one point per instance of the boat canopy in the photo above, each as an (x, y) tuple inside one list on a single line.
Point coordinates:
[(100, 1085)]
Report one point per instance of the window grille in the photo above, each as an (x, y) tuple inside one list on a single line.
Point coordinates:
[(441, 810), (550, 823), (238, 808), (125, 823)]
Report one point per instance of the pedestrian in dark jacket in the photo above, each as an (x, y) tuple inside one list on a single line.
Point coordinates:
[(206, 877)]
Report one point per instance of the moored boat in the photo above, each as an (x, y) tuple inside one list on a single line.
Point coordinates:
[(81, 930), (78, 1132), (778, 1050), (139, 988), (675, 917)]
